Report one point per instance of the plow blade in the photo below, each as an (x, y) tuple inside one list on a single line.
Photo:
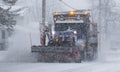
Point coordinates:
[(48, 49), (56, 54)]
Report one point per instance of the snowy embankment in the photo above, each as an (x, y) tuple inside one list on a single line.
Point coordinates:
[(20, 44)]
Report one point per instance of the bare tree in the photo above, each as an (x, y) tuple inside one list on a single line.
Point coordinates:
[(109, 13), (7, 17)]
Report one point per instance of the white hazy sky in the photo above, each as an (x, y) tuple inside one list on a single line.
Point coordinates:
[(79, 4)]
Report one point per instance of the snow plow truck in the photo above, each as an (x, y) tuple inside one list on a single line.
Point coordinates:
[(73, 38)]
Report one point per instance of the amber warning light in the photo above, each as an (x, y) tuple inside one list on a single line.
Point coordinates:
[(86, 13), (72, 12)]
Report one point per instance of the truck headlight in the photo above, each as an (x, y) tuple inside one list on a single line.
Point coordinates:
[(53, 32), (75, 32)]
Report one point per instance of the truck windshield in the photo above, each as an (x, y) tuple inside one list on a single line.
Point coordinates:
[(65, 26)]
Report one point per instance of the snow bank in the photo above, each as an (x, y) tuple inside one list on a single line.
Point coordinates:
[(20, 46)]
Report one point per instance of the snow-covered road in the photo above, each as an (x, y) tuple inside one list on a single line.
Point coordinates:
[(56, 67)]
